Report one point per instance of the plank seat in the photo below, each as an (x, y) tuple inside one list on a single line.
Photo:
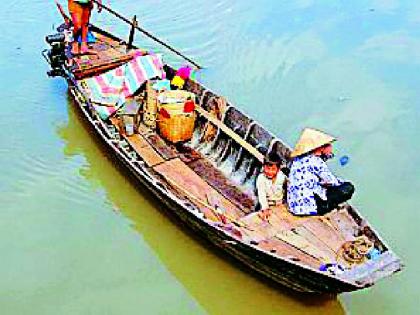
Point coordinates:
[(312, 235), (139, 144), (145, 150)]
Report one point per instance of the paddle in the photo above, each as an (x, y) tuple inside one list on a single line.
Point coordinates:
[(134, 25)]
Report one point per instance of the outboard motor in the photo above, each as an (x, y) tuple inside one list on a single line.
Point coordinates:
[(56, 56)]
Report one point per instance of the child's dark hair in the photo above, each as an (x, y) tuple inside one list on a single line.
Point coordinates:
[(272, 159)]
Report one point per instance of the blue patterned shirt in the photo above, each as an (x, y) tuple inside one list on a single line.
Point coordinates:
[(307, 174)]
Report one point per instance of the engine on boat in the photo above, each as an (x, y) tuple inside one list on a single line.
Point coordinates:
[(56, 55)]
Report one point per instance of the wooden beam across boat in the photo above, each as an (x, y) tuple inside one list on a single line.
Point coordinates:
[(229, 132)]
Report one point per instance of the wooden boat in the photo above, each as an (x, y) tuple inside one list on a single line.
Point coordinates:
[(208, 182)]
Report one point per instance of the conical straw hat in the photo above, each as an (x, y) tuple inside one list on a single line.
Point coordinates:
[(309, 140)]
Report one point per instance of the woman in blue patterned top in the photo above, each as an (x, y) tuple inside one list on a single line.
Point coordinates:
[(312, 188)]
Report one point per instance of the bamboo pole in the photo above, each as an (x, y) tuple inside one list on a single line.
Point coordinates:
[(146, 33)]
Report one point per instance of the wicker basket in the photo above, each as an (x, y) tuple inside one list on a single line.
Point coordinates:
[(177, 128)]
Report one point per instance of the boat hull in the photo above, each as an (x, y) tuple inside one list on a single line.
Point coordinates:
[(288, 272), (293, 276)]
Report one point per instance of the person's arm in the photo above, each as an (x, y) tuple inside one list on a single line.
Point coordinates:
[(325, 175), (262, 194)]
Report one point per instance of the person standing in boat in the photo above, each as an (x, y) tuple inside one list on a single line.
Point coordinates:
[(312, 188), (80, 11), (270, 185)]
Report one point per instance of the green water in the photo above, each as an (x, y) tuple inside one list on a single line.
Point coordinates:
[(78, 237)]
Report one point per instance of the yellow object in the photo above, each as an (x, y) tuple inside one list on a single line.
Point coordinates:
[(311, 139), (178, 82)]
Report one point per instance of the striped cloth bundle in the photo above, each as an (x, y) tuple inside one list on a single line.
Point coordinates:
[(105, 111), (114, 86)]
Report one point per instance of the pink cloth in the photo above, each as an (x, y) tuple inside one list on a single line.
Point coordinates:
[(184, 72)]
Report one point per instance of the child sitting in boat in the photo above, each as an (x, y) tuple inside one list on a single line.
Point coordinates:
[(312, 189), (270, 185)]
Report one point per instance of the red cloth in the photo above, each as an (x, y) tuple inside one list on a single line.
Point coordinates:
[(189, 106), (164, 113)]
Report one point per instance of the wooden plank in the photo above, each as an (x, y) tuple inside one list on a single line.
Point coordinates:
[(109, 54), (325, 233), (179, 173), (165, 149), (303, 244), (313, 239), (230, 133), (281, 212), (260, 230), (145, 150), (144, 130), (344, 223), (137, 141), (141, 146), (285, 250), (280, 220)]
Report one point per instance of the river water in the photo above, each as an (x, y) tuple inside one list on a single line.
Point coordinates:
[(77, 237)]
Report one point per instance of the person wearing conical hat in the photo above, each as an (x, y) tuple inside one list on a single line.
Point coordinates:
[(312, 188)]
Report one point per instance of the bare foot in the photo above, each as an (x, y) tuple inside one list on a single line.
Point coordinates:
[(86, 51), (75, 49)]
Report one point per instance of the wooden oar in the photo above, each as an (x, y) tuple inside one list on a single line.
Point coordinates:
[(146, 33)]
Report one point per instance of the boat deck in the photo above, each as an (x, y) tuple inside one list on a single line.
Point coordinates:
[(110, 53), (310, 240)]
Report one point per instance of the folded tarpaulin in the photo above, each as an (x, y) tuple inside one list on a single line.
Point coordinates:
[(114, 86), (105, 111)]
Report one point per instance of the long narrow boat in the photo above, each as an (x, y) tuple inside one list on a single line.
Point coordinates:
[(208, 183)]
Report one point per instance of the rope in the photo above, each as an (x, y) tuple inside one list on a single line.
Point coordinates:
[(354, 252)]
